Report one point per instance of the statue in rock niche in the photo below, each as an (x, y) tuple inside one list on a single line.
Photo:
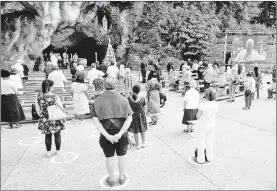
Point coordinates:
[(105, 23)]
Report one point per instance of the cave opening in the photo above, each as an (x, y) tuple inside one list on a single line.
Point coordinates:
[(85, 47)]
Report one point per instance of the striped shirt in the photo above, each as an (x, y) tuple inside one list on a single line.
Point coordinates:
[(129, 81)]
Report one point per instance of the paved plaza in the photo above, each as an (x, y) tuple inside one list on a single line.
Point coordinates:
[(245, 153)]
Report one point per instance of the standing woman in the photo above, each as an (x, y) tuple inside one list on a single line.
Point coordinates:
[(258, 79), (153, 89), (12, 111), (129, 82), (208, 76), (139, 123), (80, 98), (45, 99), (191, 102), (171, 78), (121, 74), (205, 128), (233, 82)]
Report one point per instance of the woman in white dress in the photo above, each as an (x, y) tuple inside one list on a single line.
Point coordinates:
[(80, 98)]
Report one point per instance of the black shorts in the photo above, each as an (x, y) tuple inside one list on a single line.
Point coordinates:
[(120, 147)]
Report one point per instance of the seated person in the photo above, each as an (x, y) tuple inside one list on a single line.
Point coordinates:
[(271, 89)]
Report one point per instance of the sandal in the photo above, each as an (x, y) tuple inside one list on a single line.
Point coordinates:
[(110, 182)]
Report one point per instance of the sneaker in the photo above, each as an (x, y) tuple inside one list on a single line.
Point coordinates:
[(123, 180), (57, 153), (245, 108), (48, 154), (110, 182), (144, 145)]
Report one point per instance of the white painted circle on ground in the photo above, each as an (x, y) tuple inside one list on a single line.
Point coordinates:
[(192, 161), (30, 141), (64, 158), (95, 134), (117, 185)]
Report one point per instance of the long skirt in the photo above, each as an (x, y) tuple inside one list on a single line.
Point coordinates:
[(189, 115), (11, 109)]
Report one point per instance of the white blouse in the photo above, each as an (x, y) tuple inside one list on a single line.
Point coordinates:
[(16, 79), (8, 87)]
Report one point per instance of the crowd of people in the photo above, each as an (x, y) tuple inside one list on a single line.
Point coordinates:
[(116, 116)]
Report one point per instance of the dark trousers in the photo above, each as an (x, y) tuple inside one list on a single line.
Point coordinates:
[(206, 85), (48, 140), (143, 73), (248, 100)]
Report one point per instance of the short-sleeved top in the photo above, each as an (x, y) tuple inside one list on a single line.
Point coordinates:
[(208, 75), (112, 71), (210, 109), (78, 88), (93, 74), (16, 79), (58, 78), (192, 98), (8, 87), (112, 109)]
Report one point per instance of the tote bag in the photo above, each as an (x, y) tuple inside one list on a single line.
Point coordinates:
[(55, 113)]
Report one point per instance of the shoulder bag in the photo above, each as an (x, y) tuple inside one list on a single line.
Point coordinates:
[(55, 113)]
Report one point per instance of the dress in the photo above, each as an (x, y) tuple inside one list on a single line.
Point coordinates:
[(139, 123), (80, 101), (98, 84), (153, 96), (46, 126)]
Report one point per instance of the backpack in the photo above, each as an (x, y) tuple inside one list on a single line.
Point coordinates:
[(35, 115)]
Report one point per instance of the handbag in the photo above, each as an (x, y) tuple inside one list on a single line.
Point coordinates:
[(35, 115), (55, 113)]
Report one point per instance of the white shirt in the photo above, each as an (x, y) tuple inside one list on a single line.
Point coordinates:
[(195, 66), (19, 68), (94, 73), (192, 98), (58, 78), (54, 60), (112, 71), (8, 87), (209, 109), (16, 79), (78, 88)]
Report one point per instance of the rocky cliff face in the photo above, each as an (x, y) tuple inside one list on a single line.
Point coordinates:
[(30, 27)]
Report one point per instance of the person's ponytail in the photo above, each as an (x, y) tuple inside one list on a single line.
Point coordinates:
[(45, 86)]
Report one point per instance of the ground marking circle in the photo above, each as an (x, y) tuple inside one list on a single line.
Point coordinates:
[(21, 142), (61, 155), (192, 161), (117, 185)]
